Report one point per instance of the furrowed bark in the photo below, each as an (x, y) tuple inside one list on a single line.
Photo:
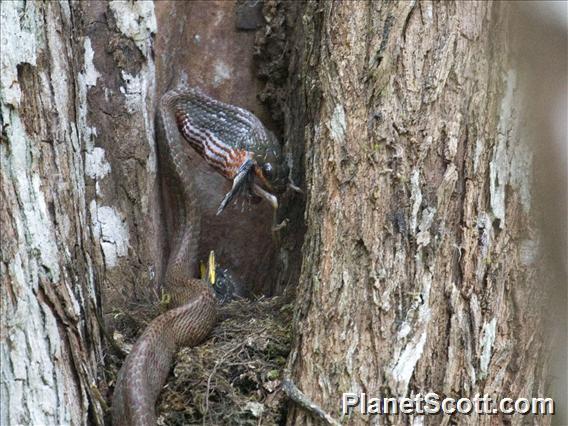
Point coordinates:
[(419, 257)]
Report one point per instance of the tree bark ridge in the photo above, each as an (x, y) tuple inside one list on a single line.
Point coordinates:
[(418, 197)]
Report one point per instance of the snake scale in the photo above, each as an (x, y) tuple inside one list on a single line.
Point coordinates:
[(236, 144)]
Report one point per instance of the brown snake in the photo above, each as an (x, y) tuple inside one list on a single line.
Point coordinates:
[(238, 146), (146, 368)]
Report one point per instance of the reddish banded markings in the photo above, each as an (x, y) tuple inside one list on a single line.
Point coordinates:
[(217, 153)]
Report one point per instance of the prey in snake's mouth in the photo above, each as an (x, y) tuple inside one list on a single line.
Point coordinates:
[(244, 184)]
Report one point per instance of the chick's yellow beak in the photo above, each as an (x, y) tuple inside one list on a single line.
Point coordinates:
[(207, 272)]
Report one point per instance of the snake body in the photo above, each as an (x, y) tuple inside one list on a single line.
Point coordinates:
[(146, 368), (236, 144)]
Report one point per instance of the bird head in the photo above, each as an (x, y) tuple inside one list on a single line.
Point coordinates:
[(270, 166)]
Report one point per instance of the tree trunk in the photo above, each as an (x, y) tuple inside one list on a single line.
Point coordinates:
[(78, 196), (418, 267)]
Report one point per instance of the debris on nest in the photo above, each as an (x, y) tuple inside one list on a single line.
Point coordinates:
[(234, 377)]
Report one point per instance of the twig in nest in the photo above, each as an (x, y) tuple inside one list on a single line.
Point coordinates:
[(306, 403), (217, 364)]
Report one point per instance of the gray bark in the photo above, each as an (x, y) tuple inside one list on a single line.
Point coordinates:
[(78, 176)]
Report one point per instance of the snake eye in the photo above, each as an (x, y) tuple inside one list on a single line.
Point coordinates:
[(267, 170)]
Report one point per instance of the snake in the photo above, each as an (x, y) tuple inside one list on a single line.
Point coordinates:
[(235, 143)]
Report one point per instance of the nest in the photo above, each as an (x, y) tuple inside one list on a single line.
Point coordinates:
[(234, 377)]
